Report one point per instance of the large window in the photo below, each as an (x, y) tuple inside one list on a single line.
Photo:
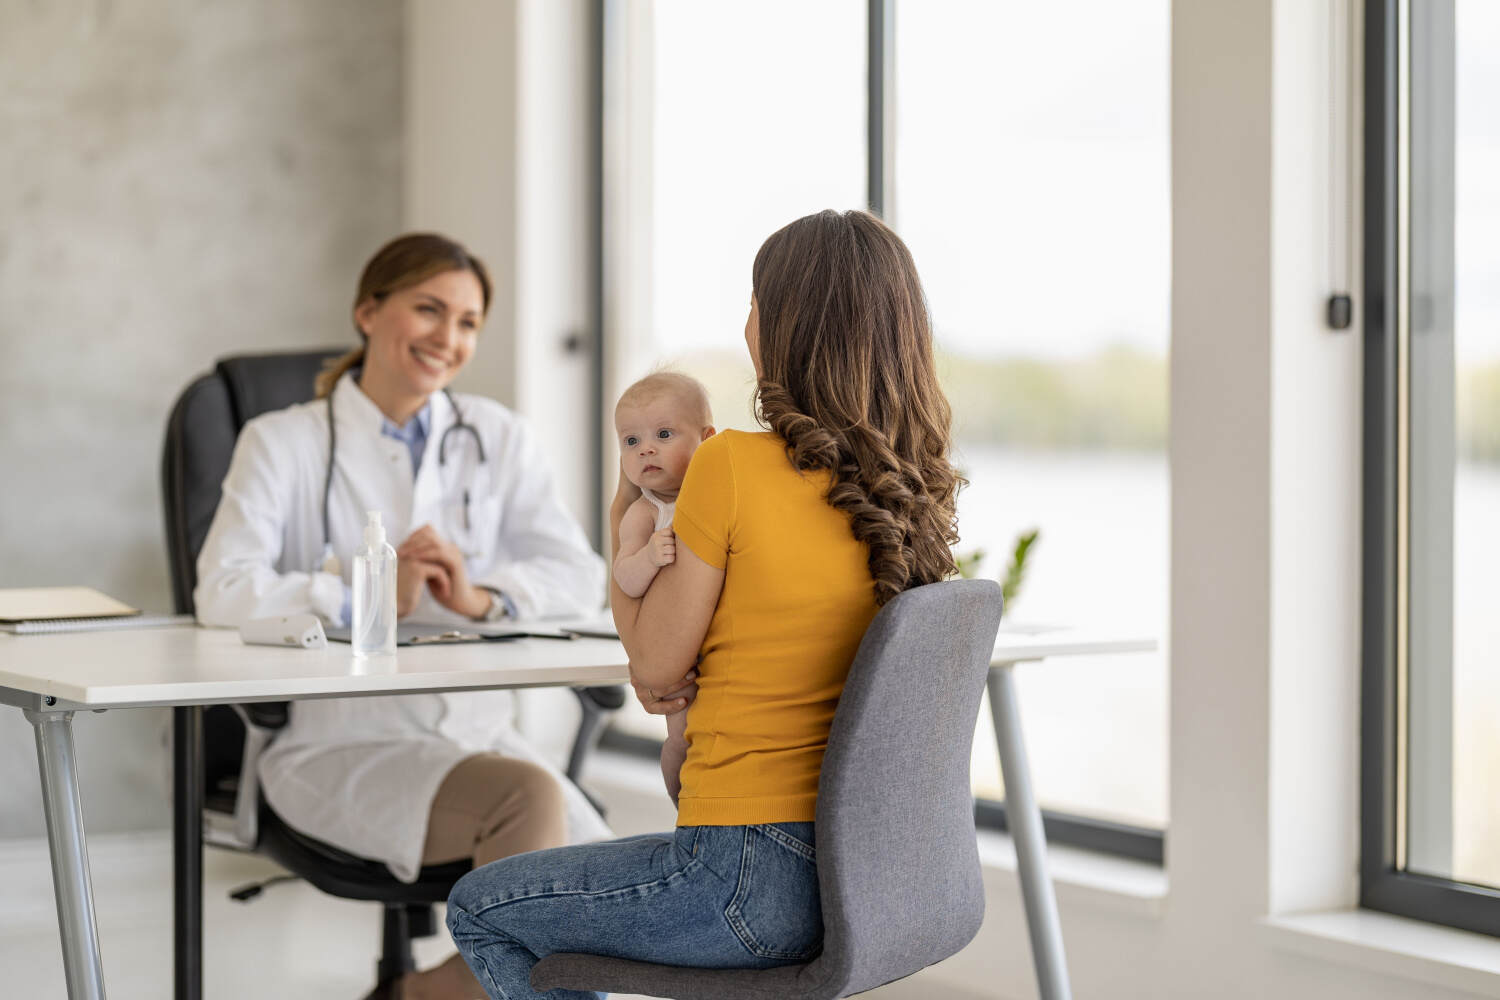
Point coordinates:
[(1025, 161), (757, 115), (1431, 845), (1031, 180)]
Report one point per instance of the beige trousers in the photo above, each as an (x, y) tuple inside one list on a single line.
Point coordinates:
[(489, 807)]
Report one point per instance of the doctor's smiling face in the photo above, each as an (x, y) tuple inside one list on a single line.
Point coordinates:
[(419, 337)]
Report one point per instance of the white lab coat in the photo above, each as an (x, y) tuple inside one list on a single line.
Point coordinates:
[(361, 773)]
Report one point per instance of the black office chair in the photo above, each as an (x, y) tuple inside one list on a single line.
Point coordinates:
[(199, 442)]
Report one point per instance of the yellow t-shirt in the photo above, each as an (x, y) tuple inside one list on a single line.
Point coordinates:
[(797, 598)]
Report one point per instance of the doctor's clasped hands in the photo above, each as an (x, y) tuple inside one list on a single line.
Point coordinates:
[(427, 559)]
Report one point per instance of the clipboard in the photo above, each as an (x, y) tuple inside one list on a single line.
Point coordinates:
[(595, 626), (444, 635)]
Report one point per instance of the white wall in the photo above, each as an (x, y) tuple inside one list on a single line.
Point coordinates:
[(178, 181), (553, 301), (497, 156), (1315, 494), (554, 228), (459, 155)]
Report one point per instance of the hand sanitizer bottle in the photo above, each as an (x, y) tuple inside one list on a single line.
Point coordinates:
[(373, 630)]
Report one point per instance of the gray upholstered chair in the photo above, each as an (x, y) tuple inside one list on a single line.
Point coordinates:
[(900, 883)]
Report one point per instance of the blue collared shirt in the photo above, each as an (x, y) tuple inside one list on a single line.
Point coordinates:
[(413, 435)]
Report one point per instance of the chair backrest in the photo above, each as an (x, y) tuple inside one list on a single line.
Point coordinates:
[(200, 438), (898, 867)]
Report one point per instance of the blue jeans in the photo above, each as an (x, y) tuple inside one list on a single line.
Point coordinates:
[(722, 897)]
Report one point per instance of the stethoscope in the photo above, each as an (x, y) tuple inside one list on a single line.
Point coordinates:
[(330, 561)]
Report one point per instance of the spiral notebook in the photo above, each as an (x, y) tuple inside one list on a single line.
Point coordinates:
[(94, 624)]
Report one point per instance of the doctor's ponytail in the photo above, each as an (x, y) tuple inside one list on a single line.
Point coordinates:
[(334, 369), (405, 261)]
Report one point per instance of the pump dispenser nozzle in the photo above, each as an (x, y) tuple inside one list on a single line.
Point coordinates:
[(374, 530)]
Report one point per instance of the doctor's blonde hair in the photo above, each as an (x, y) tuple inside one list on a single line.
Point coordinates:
[(404, 261)]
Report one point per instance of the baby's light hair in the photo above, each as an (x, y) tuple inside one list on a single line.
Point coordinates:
[(665, 382)]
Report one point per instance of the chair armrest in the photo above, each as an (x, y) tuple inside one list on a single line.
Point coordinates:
[(265, 714), (606, 698), (261, 722), (595, 702)]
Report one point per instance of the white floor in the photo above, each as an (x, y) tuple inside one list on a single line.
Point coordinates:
[(292, 942)]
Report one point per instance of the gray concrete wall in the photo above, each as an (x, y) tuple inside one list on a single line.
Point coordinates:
[(178, 180)]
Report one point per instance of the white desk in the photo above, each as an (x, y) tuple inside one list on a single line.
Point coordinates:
[(133, 668), (49, 677)]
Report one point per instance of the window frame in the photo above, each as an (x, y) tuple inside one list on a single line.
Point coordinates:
[(1141, 843), (1385, 884)]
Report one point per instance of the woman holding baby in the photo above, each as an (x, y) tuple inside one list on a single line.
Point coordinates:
[(782, 546)]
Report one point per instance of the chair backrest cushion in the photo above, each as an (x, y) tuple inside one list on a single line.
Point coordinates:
[(898, 865), (201, 432)]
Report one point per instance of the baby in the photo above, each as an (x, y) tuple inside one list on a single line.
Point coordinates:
[(660, 421)]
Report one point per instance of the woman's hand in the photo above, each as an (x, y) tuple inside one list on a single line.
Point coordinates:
[(412, 575), (667, 702), (451, 586)]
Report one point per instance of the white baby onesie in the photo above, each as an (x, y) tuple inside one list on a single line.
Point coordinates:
[(664, 509)]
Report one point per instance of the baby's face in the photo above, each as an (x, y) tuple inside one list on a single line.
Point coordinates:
[(657, 440)]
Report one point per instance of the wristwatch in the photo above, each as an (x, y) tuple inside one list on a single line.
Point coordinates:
[(496, 610)]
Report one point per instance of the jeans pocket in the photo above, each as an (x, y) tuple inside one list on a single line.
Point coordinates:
[(776, 911), (685, 844)]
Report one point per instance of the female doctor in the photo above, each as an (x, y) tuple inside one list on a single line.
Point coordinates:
[(419, 779)]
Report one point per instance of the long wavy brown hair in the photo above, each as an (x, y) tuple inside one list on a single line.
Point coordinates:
[(404, 261), (848, 381)]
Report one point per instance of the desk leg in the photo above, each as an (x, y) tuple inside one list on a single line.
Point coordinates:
[(71, 885), (1025, 821), (187, 852)]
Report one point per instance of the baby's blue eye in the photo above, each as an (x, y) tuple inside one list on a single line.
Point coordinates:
[(630, 441), (663, 434)]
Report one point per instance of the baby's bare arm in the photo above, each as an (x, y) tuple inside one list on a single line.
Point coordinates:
[(636, 526), (634, 569)]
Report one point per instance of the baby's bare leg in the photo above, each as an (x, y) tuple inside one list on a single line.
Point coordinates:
[(673, 752)]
